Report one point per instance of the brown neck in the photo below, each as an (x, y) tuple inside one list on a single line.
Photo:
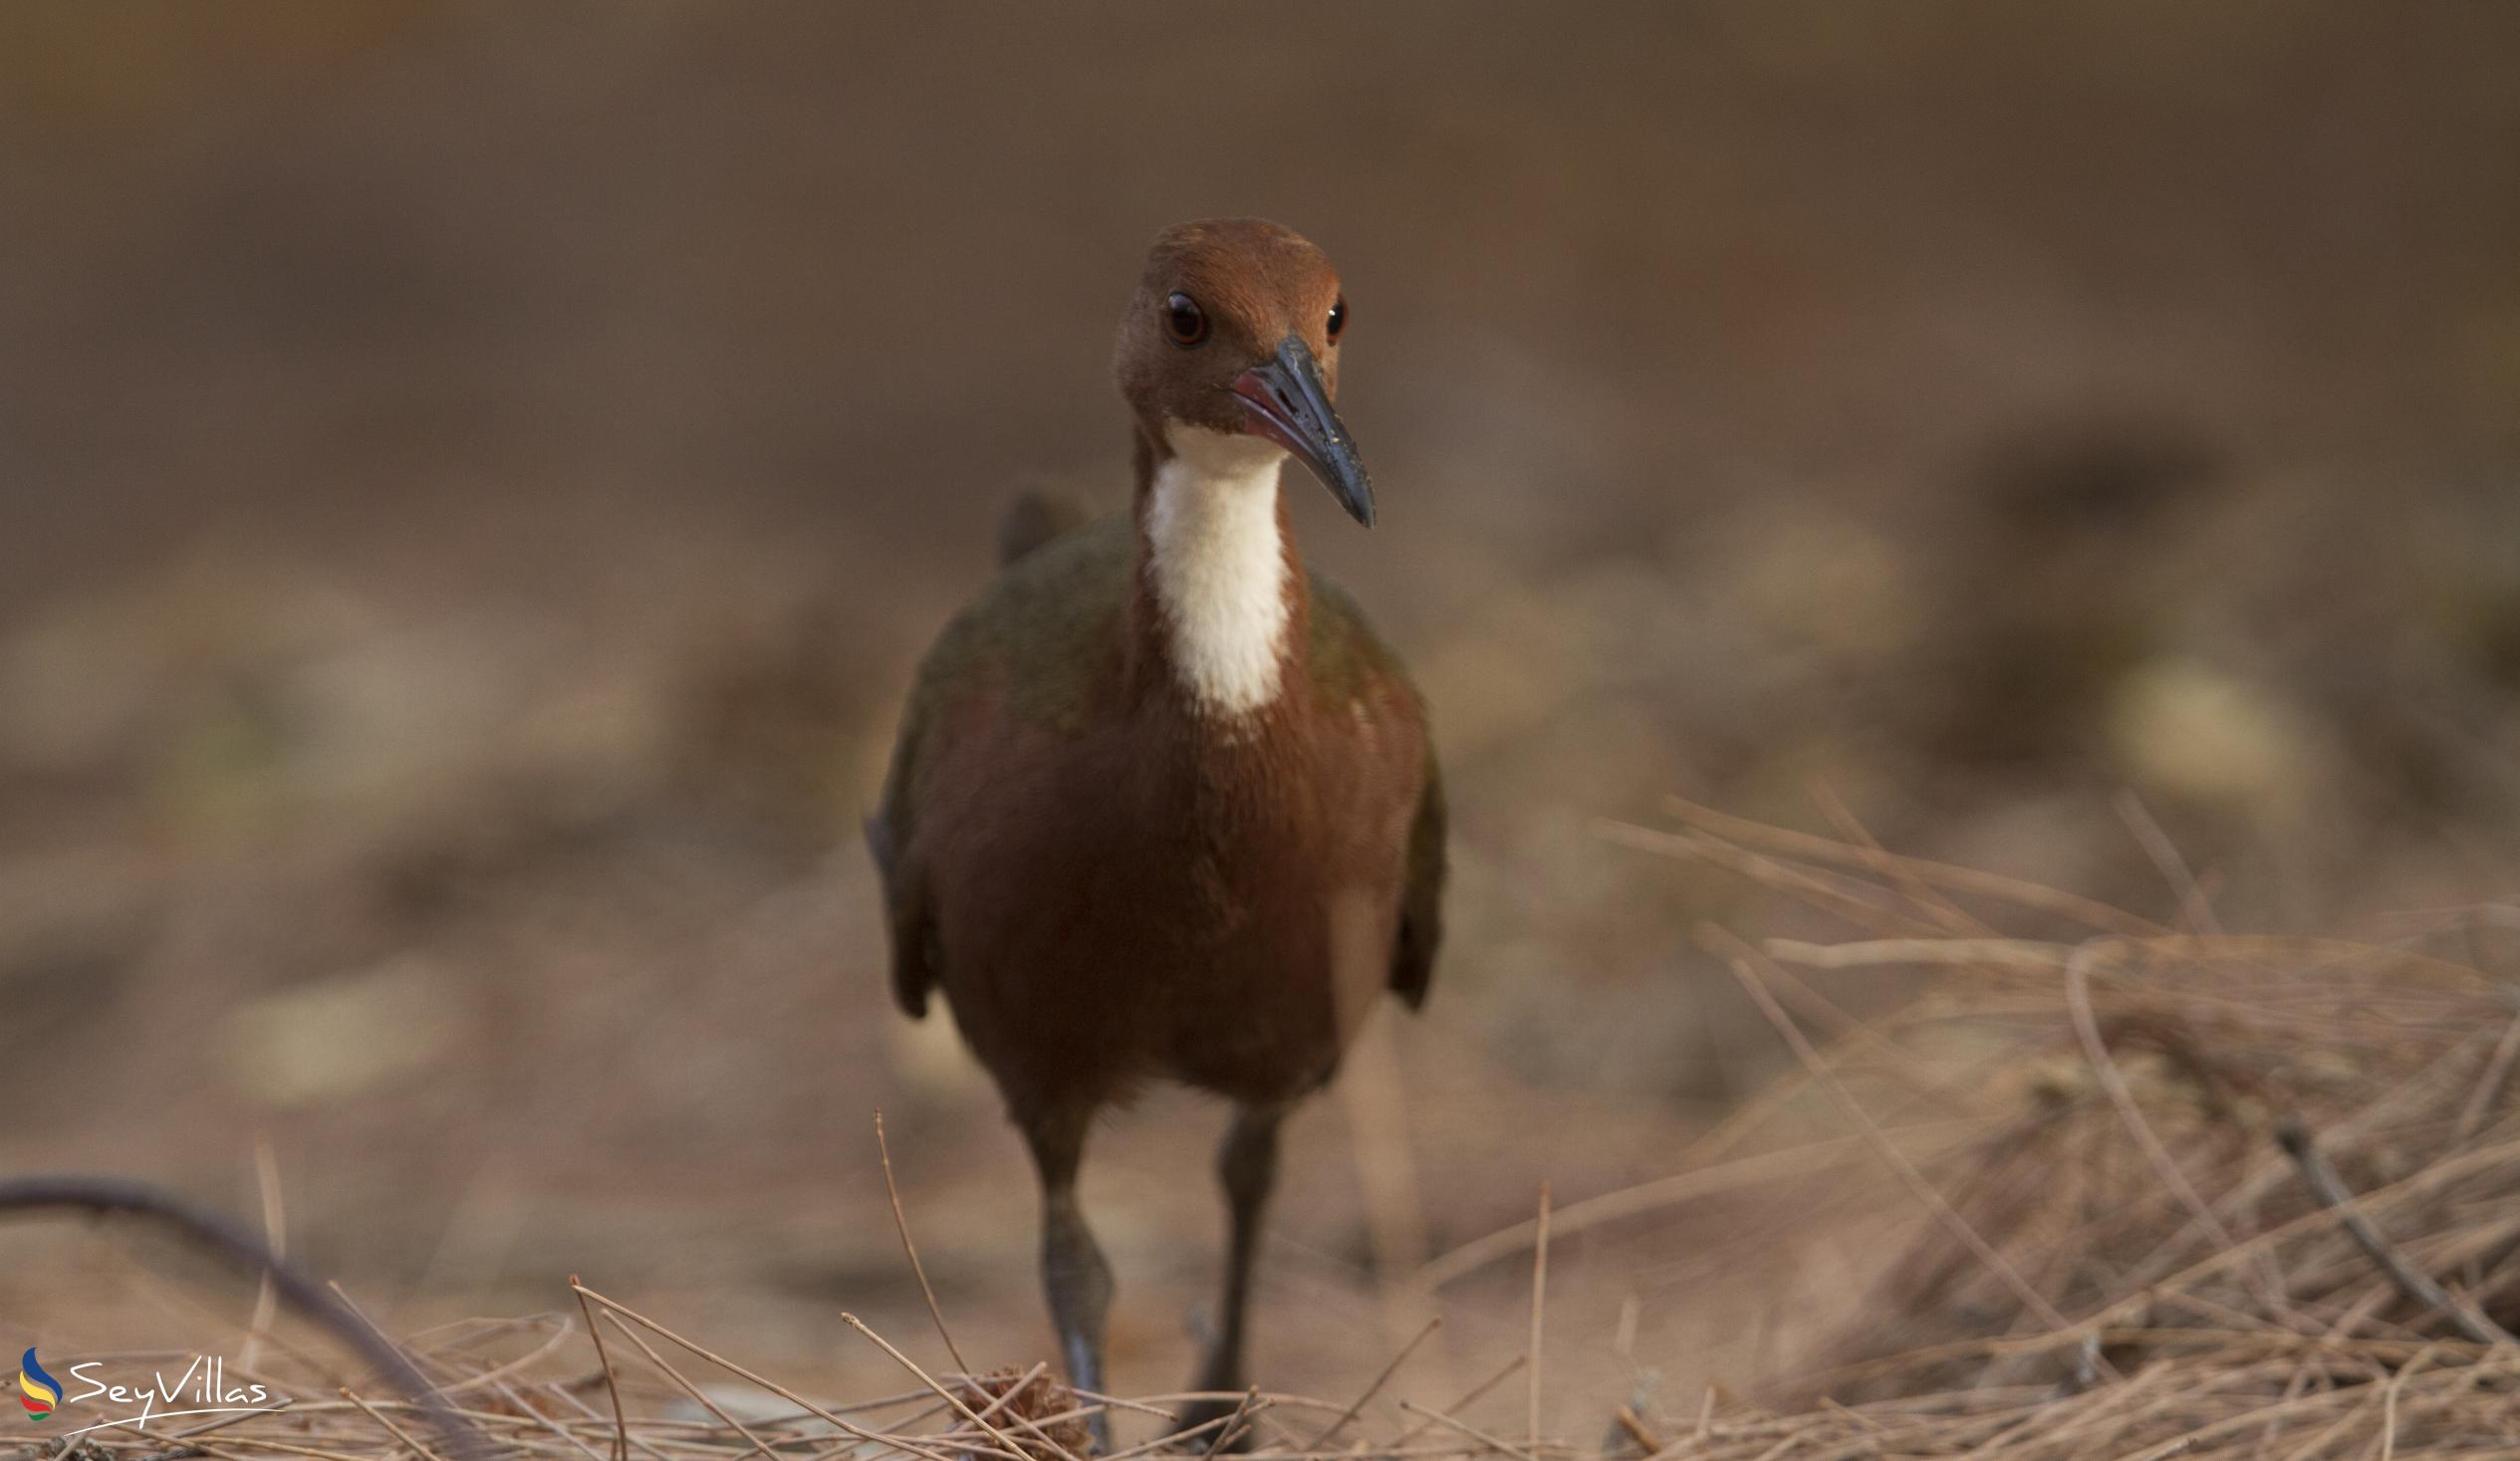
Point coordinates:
[(1219, 611)]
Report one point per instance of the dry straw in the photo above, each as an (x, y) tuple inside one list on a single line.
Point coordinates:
[(2189, 1194)]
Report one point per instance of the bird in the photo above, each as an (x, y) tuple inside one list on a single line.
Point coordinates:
[(1163, 806)]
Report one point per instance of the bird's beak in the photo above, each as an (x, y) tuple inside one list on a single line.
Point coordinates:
[(1285, 400)]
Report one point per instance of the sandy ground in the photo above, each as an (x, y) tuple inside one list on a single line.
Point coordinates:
[(474, 482)]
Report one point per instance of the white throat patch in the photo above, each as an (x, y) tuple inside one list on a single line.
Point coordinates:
[(1219, 569)]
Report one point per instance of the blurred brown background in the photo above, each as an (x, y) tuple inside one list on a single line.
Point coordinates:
[(474, 481)]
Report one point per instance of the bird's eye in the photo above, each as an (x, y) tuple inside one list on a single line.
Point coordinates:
[(1184, 320), (1338, 316)]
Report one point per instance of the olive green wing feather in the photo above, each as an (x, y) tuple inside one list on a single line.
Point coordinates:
[(1060, 588), (907, 914), (1422, 895)]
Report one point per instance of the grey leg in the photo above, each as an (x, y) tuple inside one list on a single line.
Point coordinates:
[(1073, 1270), (1247, 1166)]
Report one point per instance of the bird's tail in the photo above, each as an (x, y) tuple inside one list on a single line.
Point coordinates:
[(1033, 519)]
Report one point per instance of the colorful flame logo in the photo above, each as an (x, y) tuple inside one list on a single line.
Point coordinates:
[(39, 1392)]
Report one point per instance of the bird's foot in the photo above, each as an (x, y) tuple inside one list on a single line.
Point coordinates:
[(1219, 1377), (1215, 1427), (1085, 1373)]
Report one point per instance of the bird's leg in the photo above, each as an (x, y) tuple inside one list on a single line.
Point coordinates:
[(1247, 1166), (1073, 1271)]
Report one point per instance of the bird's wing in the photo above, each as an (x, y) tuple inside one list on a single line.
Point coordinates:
[(1422, 895), (1029, 633), (905, 885), (893, 832), (1348, 659)]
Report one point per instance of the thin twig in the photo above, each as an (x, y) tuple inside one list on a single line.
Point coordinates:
[(1539, 1309), (1950, 914), (690, 1389), (1847, 896), (1941, 875), (2001, 953), (612, 1385), (1493, 1443), (1468, 1399), (2414, 1283), (561, 1392), (1635, 1427), (381, 1418), (1322, 1438), (275, 1234), (1040, 1367), (2195, 910), (1166, 1440), (2389, 1403), (516, 1399), (999, 1436), (901, 1224), (1663, 1192), (1233, 1425), (2497, 1071)]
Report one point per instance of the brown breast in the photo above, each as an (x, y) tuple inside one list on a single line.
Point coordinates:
[(1162, 894)]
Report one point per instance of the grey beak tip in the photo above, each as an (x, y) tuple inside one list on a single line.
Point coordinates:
[(1293, 408)]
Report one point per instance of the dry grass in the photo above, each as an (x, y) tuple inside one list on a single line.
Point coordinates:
[(2215, 1195), (2156, 1243)]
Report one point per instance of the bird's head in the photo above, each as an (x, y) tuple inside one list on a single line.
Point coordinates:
[(1234, 331)]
